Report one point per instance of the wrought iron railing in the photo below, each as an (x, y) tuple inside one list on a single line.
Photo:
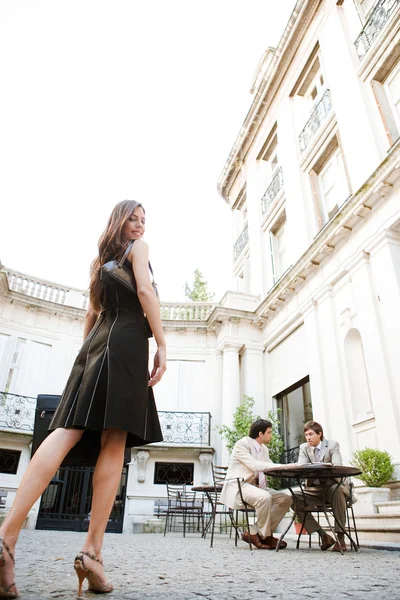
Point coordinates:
[(241, 242), (185, 427), (376, 22), (291, 455), (272, 191), (318, 116), (17, 412)]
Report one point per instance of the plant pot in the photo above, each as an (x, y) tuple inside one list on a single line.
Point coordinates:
[(297, 528)]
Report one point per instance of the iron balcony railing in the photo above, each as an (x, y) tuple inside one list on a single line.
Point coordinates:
[(18, 413), (380, 15), (318, 116), (241, 242), (185, 427), (272, 191)]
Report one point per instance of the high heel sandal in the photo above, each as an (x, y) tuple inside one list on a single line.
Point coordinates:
[(5, 592), (95, 584)]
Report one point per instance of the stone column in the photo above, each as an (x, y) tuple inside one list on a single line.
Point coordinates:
[(252, 370), (205, 462), (230, 387)]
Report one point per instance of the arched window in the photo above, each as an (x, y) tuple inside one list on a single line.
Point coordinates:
[(357, 374)]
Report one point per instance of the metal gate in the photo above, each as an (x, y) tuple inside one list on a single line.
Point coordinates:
[(66, 502)]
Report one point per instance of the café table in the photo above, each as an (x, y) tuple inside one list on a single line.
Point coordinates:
[(211, 492), (323, 472)]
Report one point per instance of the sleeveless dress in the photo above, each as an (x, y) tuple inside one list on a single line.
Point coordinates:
[(108, 384)]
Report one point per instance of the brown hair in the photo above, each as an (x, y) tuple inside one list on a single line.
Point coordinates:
[(111, 247), (259, 425), (316, 427)]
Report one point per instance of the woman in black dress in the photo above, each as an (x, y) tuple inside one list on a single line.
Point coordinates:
[(108, 402)]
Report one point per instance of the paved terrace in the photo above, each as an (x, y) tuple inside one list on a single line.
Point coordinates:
[(149, 566)]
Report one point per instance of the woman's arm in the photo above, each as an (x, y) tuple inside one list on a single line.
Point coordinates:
[(90, 320), (147, 297)]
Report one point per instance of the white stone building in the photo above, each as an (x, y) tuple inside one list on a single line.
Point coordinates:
[(312, 325)]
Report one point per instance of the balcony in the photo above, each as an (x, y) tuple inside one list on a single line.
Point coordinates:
[(318, 116), (17, 414), (272, 191), (376, 22), (187, 428), (241, 242)]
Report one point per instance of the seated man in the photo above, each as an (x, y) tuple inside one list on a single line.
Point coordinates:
[(319, 450), (250, 457)]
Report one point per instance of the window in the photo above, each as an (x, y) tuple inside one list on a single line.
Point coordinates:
[(392, 86), (270, 171), (329, 182), (23, 366), (279, 247), (175, 473), (311, 100), (9, 461), (15, 365), (296, 408)]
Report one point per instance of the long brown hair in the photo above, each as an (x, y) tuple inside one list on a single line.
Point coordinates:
[(111, 247)]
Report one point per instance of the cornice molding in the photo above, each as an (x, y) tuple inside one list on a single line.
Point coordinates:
[(298, 24)]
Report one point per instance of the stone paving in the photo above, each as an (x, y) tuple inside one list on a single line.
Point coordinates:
[(149, 566)]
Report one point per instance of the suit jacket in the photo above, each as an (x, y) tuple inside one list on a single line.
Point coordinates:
[(329, 453), (245, 463)]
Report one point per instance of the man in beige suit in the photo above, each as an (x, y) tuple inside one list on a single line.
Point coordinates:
[(318, 449), (249, 459)]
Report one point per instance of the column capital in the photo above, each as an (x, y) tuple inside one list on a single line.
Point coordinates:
[(228, 345), (253, 347)]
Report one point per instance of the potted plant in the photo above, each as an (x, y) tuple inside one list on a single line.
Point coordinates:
[(376, 469), (297, 526)]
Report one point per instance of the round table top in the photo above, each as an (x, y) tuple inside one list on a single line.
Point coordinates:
[(313, 470), (206, 488)]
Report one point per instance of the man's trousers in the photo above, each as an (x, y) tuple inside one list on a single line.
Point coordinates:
[(270, 506)]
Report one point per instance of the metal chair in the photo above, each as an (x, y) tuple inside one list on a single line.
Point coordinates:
[(185, 504), (326, 509), (219, 508)]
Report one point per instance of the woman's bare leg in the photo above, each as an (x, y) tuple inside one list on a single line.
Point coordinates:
[(106, 478), (37, 477)]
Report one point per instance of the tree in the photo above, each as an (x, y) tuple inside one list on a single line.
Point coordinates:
[(199, 292), (243, 417)]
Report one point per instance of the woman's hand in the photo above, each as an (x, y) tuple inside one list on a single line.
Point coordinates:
[(159, 367)]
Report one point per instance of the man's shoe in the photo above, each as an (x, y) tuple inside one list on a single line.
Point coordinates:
[(255, 539), (273, 542), (327, 541), (339, 547)]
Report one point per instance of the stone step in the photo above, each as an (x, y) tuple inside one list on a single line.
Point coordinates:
[(392, 507), (378, 522)]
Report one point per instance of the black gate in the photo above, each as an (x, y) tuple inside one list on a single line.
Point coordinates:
[(66, 502)]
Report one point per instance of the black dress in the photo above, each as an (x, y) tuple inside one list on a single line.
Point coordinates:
[(108, 384)]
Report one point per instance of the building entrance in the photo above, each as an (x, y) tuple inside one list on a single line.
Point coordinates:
[(66, 502)]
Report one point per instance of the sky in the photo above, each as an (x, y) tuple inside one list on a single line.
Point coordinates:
[(104, 100)]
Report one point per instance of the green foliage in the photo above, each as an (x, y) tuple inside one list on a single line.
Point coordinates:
[(243, 417), (376, 466), (199, 292)]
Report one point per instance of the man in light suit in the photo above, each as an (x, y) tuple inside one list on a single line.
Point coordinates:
[(249, 459), (319, 450)]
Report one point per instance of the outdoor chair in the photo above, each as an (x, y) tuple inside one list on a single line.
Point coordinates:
[(185, 505), (218, 508), (326, 510)]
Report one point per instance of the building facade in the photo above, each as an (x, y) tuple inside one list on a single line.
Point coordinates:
[(313, 183), (311, 325)]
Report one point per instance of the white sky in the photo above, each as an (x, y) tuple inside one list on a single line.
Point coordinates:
[(104, 100)]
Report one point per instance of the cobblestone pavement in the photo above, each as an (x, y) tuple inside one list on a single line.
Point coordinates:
[(149, 566)]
